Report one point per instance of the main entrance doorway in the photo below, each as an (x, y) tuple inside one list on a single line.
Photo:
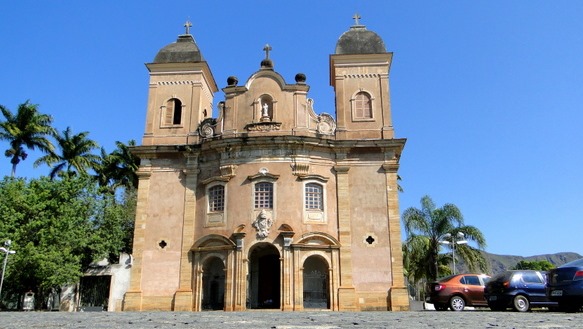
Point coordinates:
[(316, 282), (213, 284), (264, 276)]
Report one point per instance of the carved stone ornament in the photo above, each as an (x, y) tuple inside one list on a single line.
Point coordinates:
[(207, 131), (263, 126), (326, 124), (262, 223), (207, 128)]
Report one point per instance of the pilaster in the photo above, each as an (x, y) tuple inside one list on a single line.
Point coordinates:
[(399, 298), (240, 274), (133, 297), (287, 273), (346, 291), (183, 299)]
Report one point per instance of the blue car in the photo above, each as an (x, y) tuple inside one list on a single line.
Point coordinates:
[(565, 286), (520, 290)]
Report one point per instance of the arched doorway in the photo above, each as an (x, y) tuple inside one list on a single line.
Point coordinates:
[(264, 276), (213, 284), (316, 283)]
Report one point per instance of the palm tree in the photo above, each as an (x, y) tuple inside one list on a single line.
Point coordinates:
[(425, 228), (105, 170), (26, 129), (127, 165), (118, 168), (75, 154)]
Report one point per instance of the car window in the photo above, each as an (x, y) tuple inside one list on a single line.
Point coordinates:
[(472, 280), (575, 263), (531, 277)]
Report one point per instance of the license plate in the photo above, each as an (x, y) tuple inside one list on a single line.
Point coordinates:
[(557, 293), (493, 298)]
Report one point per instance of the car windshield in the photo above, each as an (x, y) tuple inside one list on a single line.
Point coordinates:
[(575, 263)]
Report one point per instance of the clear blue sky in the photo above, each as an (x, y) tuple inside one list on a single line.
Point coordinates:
[(489, 94)]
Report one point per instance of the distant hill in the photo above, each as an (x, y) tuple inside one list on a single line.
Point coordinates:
[(501, 263)]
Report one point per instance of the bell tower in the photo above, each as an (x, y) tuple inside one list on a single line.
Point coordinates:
[(180, 94), (359, 73)]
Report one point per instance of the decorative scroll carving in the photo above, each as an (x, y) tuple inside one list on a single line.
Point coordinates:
[(207, 127), (326, 124), (263, 223)]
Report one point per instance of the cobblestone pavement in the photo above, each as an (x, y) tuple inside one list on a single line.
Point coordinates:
[(291, 320)]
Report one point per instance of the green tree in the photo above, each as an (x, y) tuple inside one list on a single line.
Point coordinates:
[(424, 228), (26, 129), (127, 165), (539, 265), (113, 226), (118, 169), (57, 227), (75, 154)]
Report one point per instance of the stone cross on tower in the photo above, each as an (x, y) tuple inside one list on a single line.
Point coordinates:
[(356, 17), (267, 48), (188, 25)]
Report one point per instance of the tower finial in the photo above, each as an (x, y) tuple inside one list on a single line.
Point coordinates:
[(356, 17), (187, 26), (267, 48)]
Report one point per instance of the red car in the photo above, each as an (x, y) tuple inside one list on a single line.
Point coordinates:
[(458, 291)]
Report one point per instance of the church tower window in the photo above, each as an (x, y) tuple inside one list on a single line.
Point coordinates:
[(264, 195), (173, 112), (362, 106)]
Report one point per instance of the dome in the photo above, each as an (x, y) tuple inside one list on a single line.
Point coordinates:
[(184, 50), (359, 40)]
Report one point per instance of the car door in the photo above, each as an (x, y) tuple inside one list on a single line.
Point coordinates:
[(474, 290), (534, 286)]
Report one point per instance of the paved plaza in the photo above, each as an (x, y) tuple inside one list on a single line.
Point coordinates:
[(291, 320)]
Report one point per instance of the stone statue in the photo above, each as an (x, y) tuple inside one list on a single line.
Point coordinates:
[(265, 112)]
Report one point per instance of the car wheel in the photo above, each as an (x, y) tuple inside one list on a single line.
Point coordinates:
[(440, 307), (521, 303), (457, 303)]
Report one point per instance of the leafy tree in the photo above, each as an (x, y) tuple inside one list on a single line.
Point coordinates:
[(57, 227), (75, 154), (113, 226), (424, 228), (26, 129), (539, 265)]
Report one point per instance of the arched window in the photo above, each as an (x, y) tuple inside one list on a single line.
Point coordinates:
[(362, 106), (264, 195), (314, 197), (216, 197), (173, 112)]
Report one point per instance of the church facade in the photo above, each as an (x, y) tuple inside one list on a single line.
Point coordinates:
[(268, 204)]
